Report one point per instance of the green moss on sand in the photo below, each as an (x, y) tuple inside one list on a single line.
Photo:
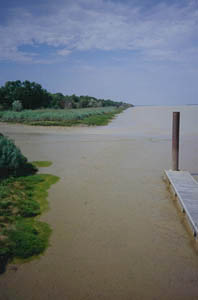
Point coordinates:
[(42, 164), (22, 200)]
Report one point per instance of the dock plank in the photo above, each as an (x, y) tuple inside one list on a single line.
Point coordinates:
[(185, 188)]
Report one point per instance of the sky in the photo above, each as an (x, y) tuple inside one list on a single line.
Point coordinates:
[(143, 52)]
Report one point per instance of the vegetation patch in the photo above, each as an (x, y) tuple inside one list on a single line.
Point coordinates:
[(12, 161), (100, 120), (42, 164), (66, 117), (22, 199), (29, 238)]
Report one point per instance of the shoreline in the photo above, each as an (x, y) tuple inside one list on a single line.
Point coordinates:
[(64, 119), (24, 199)]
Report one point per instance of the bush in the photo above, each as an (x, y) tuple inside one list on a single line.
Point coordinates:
[(29, 238), (17, 105), (12, 161)]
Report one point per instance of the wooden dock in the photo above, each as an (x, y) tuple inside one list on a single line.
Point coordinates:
[(185, 189)]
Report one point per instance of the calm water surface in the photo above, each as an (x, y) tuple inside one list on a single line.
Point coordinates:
[(117, 234)]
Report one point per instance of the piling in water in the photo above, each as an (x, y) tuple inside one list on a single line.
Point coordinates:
[(175, 141)]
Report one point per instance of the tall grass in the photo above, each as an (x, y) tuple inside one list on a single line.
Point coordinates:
[(29, 116)]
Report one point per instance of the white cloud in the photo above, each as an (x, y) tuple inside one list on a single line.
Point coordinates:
[(63, 52), (165, 32)]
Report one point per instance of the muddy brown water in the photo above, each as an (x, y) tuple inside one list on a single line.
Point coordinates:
[(117, 234)]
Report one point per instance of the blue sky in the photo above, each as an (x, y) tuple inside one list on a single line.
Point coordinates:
[(138, 51)]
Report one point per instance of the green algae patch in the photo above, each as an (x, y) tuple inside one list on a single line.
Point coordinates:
[(22, 200), (99, 120), (42, 164), (40, 193)]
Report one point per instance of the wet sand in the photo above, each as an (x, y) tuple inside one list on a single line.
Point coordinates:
[(117, 234)]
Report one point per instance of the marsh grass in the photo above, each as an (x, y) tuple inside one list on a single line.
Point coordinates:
[(22, 200), (61, 117), (99, 120)]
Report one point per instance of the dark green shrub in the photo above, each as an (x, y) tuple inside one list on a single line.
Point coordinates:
[(30, 208), (6, 251), (12, 161)]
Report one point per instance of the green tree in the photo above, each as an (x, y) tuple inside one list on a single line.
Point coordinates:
[(31, 94), (58, 100)]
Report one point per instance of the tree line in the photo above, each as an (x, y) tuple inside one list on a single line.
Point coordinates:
[(17, 95)]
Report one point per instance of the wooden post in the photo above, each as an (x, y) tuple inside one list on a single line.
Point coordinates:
[(175, 141)]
